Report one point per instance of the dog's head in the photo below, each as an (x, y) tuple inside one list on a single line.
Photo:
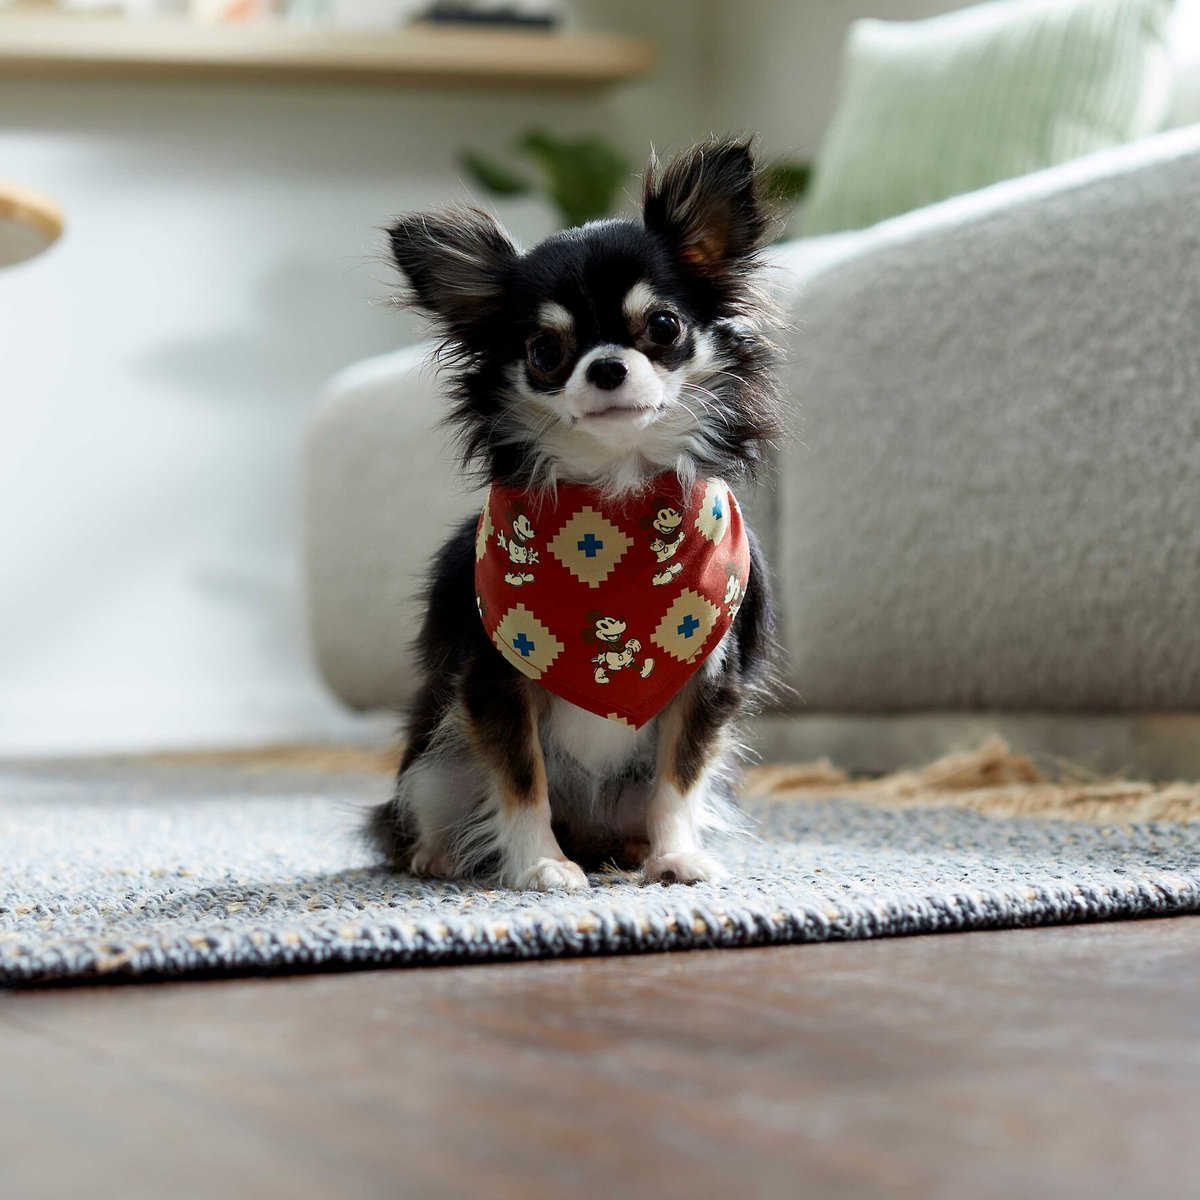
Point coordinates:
[(614, 351)]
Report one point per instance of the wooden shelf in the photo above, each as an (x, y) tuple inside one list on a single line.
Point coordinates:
[(420, 55)]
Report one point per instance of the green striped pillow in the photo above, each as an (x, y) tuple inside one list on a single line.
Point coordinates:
[(930, 109)]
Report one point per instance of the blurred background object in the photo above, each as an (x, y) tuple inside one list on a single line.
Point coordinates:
[(344, 14), (930, 109), (29, 223), (581, 177), (220, 10), (544, 13), (226, 185)]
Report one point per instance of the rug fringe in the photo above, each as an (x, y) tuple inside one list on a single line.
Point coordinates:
[(335, 758), (989, 779)]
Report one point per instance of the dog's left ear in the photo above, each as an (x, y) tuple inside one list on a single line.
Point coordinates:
[(707, 207)]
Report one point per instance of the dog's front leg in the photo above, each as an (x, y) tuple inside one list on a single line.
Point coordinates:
[(502, 720), (689, 741)]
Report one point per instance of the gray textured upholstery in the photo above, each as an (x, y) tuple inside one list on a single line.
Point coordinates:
[(995, 501)]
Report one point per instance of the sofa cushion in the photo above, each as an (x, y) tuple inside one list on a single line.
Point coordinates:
[(929, 109)]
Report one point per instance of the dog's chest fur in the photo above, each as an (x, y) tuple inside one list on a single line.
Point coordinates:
[(600, 775), (598, 745), (602, 748)]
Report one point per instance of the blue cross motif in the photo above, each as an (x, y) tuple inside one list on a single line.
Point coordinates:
[(522, 643), (590, 544), (718, 511), (688, 626)]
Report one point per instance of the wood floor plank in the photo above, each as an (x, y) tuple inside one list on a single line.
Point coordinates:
[(79, 1125), (1060, 1062)]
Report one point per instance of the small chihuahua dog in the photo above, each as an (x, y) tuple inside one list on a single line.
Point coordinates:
[(610, 356)]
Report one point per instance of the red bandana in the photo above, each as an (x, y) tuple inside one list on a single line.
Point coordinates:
[(611, 605)]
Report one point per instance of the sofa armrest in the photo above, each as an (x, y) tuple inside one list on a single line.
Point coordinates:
[(993, 504), (381, 491)]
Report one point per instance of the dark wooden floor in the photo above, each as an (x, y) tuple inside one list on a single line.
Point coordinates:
[(1045, 1063)]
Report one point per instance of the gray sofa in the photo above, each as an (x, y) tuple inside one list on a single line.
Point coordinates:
[(988, 517)]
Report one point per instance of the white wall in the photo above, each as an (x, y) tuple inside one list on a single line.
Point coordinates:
[(221, 261)]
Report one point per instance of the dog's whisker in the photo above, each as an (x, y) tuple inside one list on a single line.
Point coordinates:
[(698, 394)]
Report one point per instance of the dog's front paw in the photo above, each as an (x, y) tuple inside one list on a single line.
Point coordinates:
[(432, 862), (689, 866), (551, 875)]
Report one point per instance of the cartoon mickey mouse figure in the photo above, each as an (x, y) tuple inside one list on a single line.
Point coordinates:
[(667, 521), (519, 554), (734, 592), (615, 654)]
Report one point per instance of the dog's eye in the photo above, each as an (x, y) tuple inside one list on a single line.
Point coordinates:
[(663, 328), (546, 353)]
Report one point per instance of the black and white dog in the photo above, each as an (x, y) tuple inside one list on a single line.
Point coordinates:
[(605, 356)]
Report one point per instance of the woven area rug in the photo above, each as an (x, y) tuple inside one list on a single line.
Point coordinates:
[(170, 868)]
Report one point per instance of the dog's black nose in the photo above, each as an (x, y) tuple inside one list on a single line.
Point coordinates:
[(607, 373)]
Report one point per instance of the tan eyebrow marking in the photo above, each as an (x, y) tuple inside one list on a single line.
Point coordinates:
[(554, 316), (638, 301)]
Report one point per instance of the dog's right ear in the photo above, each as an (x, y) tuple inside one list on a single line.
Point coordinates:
[(456, 264)]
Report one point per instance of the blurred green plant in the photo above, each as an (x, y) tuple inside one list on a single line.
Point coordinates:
[(785, 182), (582, 177)]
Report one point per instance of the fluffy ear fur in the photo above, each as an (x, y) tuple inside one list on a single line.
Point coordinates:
[(705, 204), (456, 263)]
